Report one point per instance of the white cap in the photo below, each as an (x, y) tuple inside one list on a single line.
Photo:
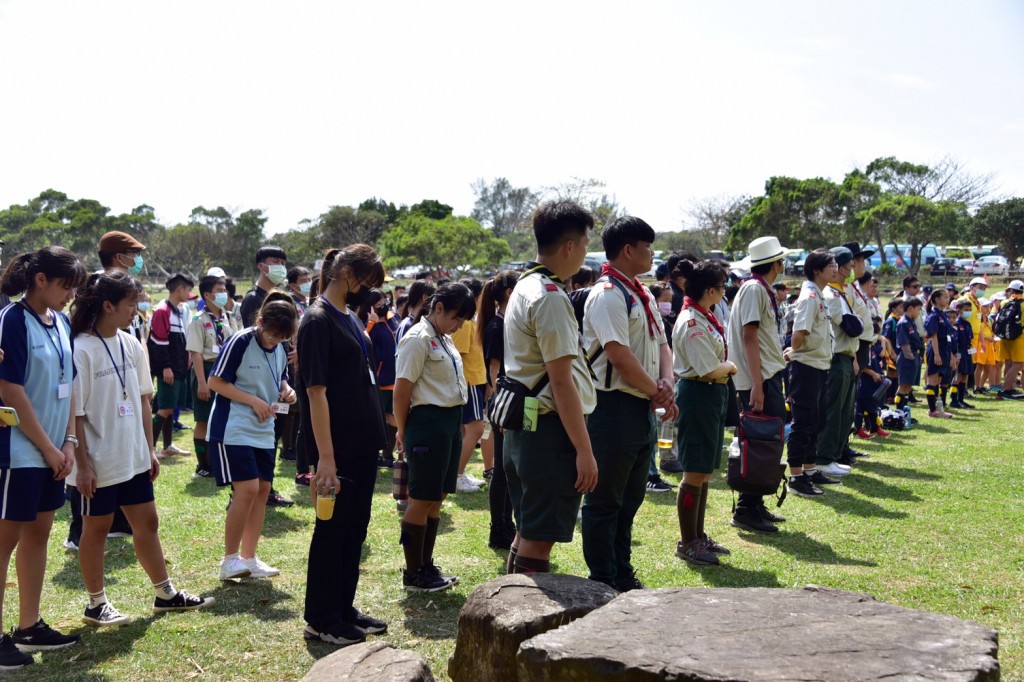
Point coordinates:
[(999, 296), (216, 272), (984, 302), (978, 280), (1017, 285)]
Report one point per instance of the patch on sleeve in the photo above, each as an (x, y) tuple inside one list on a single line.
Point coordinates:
[(811, 294), (691, 322), (550, 287), (695, 334), (609, 285)]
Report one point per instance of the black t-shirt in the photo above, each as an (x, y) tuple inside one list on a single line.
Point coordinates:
[(494, 345), (251, 305), (330, 355)]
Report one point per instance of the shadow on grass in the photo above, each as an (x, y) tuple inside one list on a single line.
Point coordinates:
[(258, 598), (883, 469), (279, 523), (433, 615), (477, 501), (666, 498), (99, 645), (801, 546), (119, 553), (874, 487), (202, 487), (844, 503), (725, 575)]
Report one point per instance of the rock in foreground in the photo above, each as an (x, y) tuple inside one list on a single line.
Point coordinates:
[(370, 662)]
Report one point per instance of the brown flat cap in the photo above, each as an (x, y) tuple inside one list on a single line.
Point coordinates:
[(120, 242)]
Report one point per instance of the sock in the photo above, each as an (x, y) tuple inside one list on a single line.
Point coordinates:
[(510, 565), (899, 400), (687, 507), (168, 432), (930, 393), (202, 459), (158, 428), (527, 565), (943, 394), (700, 509), (961, 392), (164, 589), (97, 598), (429, 538), (412, 542)]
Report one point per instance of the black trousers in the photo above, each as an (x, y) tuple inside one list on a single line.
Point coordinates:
[(333, 571), (500, 503), (774, 406), (807, 396)]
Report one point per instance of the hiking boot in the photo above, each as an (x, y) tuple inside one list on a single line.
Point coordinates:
[(672, 466), (103, 615), (696, 552), (752, 520), (41, 637), (10, 656), (820, 478), (656, 484), (422, 581), (182, 601), (368, 624), (341, 634), (803, 487)]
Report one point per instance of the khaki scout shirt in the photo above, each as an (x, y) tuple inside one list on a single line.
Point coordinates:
[(753, 303), (812, 316), (201, 335), (605, 319), (540, 326), (863, 309), (432, 363), (699, 348), (838, 305)]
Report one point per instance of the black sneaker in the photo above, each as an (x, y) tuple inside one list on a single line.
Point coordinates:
[(368, 624), (770, 516), (819, 478), (10, 656), (183, 601), (276, 499), (656, 484), (203, 472), (714, 547), (423, 581), (802, 486), (342, 634), (630, 583), (672, 466), (489, 474), (751, 519), (433, 570), (41, 637), (178, 426), (1009, 395), (965, 405), (696, 552), (103, 615)]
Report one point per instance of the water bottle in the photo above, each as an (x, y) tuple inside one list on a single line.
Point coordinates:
[(734, 447), (400, 480), (906, 418)]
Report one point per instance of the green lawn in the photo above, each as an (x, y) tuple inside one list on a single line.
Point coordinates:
[(933, 520)]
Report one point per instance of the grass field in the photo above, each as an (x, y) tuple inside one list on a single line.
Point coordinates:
[(934, 519)]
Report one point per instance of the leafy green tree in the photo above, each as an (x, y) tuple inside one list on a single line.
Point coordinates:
[(1002, 223), (431, 208), (448, 243), (503, 208), (801, 213), (386, 209), (191, 248)]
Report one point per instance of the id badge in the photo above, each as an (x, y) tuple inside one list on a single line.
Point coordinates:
[(373, 377), (125, 410), (280, 408), (972, 351), (63, 391), (215, 350)]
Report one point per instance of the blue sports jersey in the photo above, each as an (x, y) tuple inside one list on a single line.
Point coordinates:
[(251, 368), (965, 336), (906, 333), (937, 325), (32, 359)]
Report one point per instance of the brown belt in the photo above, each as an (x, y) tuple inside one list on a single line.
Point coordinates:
[(720, 380)]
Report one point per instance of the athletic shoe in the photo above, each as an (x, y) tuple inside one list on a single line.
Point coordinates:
[(851, 453), (341, 634), (820, 478), (489, 474), (936, 414), (424, 581), (183, 601), (696, 552), (435, 571), (630, 583), (368, 624), (769, 515), (41, 637), (656, 484), (963, 404), (260, 569), (10, 656), (203, 472), (714, 547), (882, 433), (866, 435), (478, 482), (173, 449), (835, 469), (103, 615), (752, 520), (276, 499), (464, 485), (234, 567), (71, 544), (672, 466), (802, 486), (303, 479), (1009, 395), (178, 426)]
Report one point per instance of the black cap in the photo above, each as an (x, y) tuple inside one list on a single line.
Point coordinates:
[(857, 252)]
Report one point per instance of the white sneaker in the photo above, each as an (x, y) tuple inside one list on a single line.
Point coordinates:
[(463, 485), (834, 469), (234, 567), (175, 450), (259, 569), (70, 545), (479, 483)]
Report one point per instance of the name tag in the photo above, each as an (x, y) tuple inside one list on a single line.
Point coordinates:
[(972, 351), (949, 339), (373, 377), (63, 391), (215, 350), (125, 410), (280, 408)]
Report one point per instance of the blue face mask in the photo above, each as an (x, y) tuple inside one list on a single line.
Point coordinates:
[(220, 299), (966, 314), (137, 267), (143, 306), (305, 288)]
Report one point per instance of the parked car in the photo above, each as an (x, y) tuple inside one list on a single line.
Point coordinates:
[(992, 265), (966, 266), (944, 267)]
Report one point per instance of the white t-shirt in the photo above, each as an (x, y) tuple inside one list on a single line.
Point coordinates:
[(114, 430)]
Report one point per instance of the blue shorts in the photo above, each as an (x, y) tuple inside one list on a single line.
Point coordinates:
[(966, 366), (235, 463), (24, 492), (942, 370), (473, 410), (107, 500), (909, 371)]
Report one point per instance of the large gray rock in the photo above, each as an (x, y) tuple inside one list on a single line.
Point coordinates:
[(371, 662), (501, 614), (759, 634)]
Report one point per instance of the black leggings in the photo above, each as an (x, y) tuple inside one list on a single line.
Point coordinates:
[(501, 504)]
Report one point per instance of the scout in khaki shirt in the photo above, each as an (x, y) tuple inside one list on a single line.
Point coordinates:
[(810, 358), (703, 368), (207, 333), (625, 339), (550, 468), (430, 390)]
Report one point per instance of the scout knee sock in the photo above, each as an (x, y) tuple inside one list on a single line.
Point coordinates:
[(701, 508), (527, 565), (961, 392), (168, 432), (899, 400), (687, 505), (429, 538), (943, 393), (412, 542), (158, 428), (932, 399), (202, 459)]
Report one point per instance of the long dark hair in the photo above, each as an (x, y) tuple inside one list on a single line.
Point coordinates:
[(55, 262), (707, 274), (453, 296), (278, 314), (493, 294), (932, 298), (362, 259), (114, 286)]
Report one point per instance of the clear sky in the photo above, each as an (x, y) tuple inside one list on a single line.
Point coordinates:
[(295, 106)]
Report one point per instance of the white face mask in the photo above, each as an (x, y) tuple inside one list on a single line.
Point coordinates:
[(277, 273)]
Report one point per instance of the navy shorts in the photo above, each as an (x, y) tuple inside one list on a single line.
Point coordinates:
[(24, 492), (942, 370), (106, 500), (966, 366), (909, 371), (473, 410), (236, 463)]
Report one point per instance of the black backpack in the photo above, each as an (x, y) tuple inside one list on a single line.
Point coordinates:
[(1007, 325), (579, 298)]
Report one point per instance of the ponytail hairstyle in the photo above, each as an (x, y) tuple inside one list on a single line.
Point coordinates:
[(114, 286), (363, 311), (933, 299), (278, 315), (54, 262), (364, 262), (453, 297), (701, 276), (314, 289), (493, 295)]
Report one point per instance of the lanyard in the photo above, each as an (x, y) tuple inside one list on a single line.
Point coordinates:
[(351, 325), (273, 372), (444, 347), (124, 365), (58, 345)]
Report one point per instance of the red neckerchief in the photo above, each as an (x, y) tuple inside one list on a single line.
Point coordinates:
[(636, 288), (710, 316), (860, 294), (771, 296)]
